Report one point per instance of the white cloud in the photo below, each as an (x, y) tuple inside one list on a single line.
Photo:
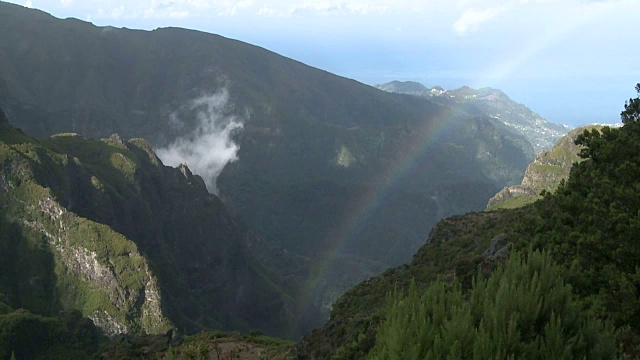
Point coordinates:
[(209, 147), (231, 8), (28, 4), (338, 8), (270, 12), (179, 14), (117, 12), (198, 4), (472, 19)]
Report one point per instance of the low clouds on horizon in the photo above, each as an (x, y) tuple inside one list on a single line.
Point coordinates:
[(461, 17)]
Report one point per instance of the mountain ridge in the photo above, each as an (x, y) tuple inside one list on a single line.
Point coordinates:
[(122, 233), (331, 172), (491, 102), (545, 173)]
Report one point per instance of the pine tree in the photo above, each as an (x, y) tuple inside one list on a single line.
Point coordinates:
[(523, 310)]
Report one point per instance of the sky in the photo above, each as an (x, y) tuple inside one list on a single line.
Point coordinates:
[(572, 61)]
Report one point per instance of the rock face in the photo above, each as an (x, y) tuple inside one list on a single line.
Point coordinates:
[(113, 288), (85, 265), (498, 248), (544, 174), (102, 226)]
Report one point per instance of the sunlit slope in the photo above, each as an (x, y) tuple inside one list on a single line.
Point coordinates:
[(544, 174)]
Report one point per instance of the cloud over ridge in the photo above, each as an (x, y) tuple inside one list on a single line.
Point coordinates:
[(209, 146)]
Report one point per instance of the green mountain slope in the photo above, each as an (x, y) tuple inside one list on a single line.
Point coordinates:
[(102, 226), (333, 173), (588, 226), (544, 174)]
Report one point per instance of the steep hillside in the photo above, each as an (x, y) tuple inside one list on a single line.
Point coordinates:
[(331, 172), (102, 226), (540, 133), (588, 227), (67, 335), (544, 174)]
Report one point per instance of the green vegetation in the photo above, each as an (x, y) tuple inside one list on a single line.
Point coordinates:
[(523, 310), (57, 260), (515, 202), (103, 228), (112, 200), (24, 335), (544, 174), (591, 223), (204, 345), (588, 227), (410, 161)]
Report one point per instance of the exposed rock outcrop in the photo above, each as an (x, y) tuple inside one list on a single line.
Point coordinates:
[(101, 226), (544, 174), (115, 289)]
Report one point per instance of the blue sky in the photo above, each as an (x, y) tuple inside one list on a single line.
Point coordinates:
[(572, 61)]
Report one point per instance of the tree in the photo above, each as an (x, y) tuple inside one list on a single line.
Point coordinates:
[(631, 112), (524, 310)]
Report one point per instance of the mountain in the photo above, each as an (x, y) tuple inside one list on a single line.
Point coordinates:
[(333, 179), (544, 174), (586, 230), (103, 227), (494, 103)]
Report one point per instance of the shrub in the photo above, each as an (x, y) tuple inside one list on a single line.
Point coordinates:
[(522, 310)]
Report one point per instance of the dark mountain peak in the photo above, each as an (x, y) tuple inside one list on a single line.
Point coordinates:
[(144, 145), (3, 117), (184, 169), (116, 140)]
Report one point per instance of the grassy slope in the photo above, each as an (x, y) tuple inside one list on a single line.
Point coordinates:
[(53, 247), (547, 171)]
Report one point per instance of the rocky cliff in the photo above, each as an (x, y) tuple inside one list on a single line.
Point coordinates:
[(102, 226), (544, 174)]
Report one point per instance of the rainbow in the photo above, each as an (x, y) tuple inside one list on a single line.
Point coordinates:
[(547, 37), (355, 216), (370, 201)]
